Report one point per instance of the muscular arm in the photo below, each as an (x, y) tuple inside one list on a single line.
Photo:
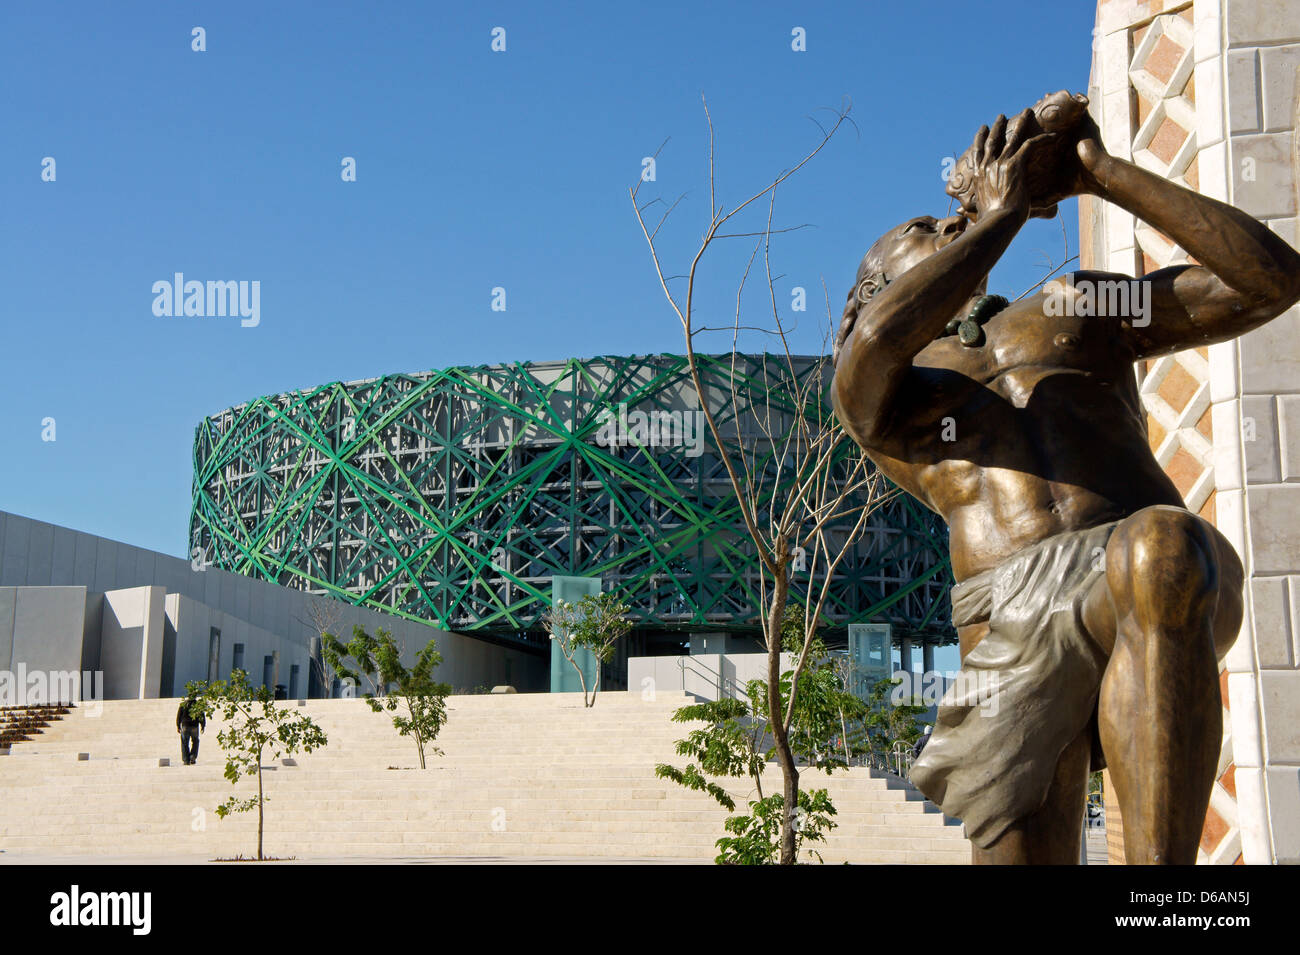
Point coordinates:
[(1247, 276), (908, 314)]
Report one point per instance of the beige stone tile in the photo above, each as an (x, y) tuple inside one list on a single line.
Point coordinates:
[(1274, 511), (1212, 162), (1289, 436), (1242, 93), (1208, 32), (1284, 810), (1252, 814), (1225, 422), (1261, 21), (1209, 102), (1286, 228), (1270, 356), (1247, 752), (1259, 439), (1277, 67), (1293, 586), (1271, 607), (1279, 697)]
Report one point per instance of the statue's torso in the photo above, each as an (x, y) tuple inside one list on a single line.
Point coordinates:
[(1037, 431)]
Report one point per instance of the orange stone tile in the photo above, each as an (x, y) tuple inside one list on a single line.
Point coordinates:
[(1229, 780), (1240, 860), (1163, 59), (1223, 690), (1178, 387), (1138, 34), (1164, 145), (1207, 510), (1144, 107), (1214, 831), (1205, 425), (1155, 433), (1189, 88), (1183, 470), (1149, 264), (1193, 174)]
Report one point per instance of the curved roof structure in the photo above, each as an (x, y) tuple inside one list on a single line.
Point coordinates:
[(454, 496)]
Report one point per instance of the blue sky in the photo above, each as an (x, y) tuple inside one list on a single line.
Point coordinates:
[(475, 170)]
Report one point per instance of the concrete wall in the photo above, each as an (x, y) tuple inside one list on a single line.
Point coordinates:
[(1255, 386), (43, 632), (195, 621), (48, 628), (710, 676), (131, 643), (181, 604)]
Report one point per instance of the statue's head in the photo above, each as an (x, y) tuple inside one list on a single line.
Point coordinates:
[(903, 247)]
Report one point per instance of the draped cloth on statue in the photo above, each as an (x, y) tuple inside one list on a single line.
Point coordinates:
[(1026, 691)]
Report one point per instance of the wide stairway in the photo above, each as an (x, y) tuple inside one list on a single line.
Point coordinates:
[(524, 776)]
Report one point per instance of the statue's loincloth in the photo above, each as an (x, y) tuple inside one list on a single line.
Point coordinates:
[(1026, 691)]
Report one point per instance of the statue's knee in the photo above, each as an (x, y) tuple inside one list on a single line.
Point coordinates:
[(1164, 558)]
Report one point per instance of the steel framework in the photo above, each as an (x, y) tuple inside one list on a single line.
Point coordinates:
[(454, 496)]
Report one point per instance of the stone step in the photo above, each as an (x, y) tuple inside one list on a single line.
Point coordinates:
[(565, 780)]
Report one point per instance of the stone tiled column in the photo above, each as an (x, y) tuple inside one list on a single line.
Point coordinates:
[(1204, 94)]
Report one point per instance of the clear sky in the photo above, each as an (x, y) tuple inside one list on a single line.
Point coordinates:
[(474, 169)]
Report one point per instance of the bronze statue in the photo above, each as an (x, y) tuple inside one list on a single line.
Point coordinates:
[(1090, 605)]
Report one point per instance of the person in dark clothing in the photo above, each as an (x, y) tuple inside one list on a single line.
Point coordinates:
[(189, 727), (921, 741)]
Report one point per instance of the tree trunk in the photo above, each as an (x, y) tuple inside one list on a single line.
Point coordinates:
[(259, 807), (776, 717)]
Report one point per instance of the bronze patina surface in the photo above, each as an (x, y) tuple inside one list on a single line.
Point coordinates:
[(1032, 430)]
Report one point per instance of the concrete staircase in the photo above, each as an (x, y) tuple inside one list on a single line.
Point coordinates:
[(524, 776)]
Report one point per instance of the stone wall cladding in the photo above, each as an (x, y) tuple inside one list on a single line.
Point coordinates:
[(1204, 93)]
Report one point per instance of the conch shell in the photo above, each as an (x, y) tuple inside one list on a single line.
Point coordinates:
[(1057, 112)]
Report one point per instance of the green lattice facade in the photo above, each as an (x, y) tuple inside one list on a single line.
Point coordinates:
[(455, 496)]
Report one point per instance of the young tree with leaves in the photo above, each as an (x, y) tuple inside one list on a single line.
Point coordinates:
[(417, 700), (730, 746), (256, 729), (595, 623), (887, 722)]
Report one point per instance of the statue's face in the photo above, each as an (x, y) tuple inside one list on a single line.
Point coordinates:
[(907, 245)]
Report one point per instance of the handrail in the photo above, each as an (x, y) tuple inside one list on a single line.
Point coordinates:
[(720, 682)]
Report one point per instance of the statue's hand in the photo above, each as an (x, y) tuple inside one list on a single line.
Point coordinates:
[(1001, 157), (1092, 155), (1055, 172)]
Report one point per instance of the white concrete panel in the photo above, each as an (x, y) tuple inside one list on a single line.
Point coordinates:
[(40, 554), (8, 599), (63, 563), (13, 564), (49, 625)]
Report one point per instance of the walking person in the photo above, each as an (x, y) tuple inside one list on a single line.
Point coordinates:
[(189, 727)]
